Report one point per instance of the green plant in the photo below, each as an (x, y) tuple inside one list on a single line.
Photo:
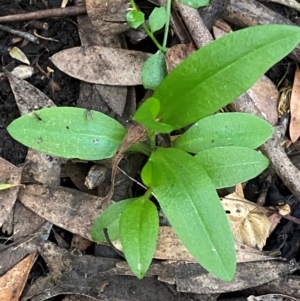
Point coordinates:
[(155, 69), (216, 151)]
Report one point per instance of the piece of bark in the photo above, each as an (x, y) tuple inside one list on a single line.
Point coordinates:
[(196, 27), (244, 13)]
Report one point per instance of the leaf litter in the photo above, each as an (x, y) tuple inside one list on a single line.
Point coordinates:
[(70, 209)]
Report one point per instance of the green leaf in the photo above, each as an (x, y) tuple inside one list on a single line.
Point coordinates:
[(109, 219), (189, 199), (229, 165), (227, 129), (135, 18), (215, 75), (138, 234), (69, 133), (139, 147), (147, 113), (195, 3), (154, 70), (157, 18)]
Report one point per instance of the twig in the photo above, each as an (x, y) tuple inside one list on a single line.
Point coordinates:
[(47, 13), (194, 23), (25, 35)]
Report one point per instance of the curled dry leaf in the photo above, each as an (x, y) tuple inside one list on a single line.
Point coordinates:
[(295, 107), (102, 65), (249, 222)]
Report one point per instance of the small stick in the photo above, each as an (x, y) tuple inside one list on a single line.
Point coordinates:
[(193, 21), (47, 13), (25, 35)]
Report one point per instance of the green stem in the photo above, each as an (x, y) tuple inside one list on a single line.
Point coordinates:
[(148, 193), (133, 4), (164, 44), (152, 142), (150, 34)]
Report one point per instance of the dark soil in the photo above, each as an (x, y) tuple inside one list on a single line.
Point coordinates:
[(66, 32)]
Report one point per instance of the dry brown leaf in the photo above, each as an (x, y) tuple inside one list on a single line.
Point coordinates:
[(249, 222), (239, 190), (265, 96), (170, 247), (28, 97), (176, 54), (69, 209), (295, 107), (114, 96), (108, 17), (102, 65), (8, 174), (12, 282)]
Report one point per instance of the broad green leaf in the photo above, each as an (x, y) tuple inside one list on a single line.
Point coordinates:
[(195, 3), (149, 175), (69, 133), (218, 73), (109, 219), (226, 129), (229, 165), (189, 200), (157, 18), (135, 18), (147, 113), (138, 234), (154, 70)]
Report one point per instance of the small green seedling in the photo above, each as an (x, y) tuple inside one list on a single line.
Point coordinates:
[(155, 69), (216, 151)]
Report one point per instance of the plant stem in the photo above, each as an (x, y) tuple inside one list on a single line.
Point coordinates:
[(150, 34), (152, 142), (148, 193), (164, 44), (133, 5)]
